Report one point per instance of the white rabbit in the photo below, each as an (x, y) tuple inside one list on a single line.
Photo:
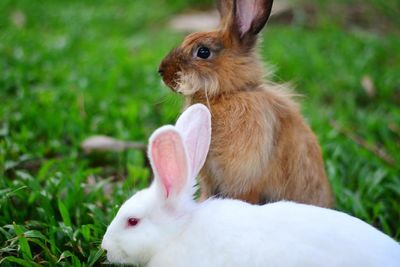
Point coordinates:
[(163, 226)]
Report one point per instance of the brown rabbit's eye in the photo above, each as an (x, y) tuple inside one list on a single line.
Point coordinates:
[(203, 52), (132, 222)]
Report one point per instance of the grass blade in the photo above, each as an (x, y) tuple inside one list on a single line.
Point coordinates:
[(23, 242), (64, 213)]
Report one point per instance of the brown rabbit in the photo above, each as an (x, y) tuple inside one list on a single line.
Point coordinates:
[(262, 150)]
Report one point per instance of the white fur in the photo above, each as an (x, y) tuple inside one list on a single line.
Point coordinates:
[(190, 82), (176, 231)]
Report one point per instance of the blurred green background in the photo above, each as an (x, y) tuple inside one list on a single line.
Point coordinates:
[(73, 69)]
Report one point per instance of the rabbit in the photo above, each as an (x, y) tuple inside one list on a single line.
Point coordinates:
[(262, 150), (162, 226)]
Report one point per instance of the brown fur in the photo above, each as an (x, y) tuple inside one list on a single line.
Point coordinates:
[(261, 149)]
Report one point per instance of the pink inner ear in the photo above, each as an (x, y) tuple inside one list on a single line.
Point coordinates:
[(169, 161), (198, 142), (245, 11), (195, 126)]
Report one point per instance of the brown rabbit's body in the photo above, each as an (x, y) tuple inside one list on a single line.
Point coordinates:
[(261, 150)]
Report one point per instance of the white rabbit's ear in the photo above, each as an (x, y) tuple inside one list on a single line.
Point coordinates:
[(169, 160), (195, 126)]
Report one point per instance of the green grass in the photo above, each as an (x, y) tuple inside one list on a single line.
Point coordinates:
[(78, 68)]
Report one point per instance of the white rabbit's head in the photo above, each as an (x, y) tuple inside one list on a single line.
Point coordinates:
[(152, 217)]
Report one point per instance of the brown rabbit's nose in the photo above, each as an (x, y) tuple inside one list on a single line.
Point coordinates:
[(168, 71), (161, 70)]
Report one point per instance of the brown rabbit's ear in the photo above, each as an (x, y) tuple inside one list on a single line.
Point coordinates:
[(225, 9), (247, 18)]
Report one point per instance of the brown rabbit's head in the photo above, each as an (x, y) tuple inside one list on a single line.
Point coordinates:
[(222, 60)]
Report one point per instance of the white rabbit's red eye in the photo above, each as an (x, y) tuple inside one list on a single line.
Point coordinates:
[(203, 52), (132, 222)]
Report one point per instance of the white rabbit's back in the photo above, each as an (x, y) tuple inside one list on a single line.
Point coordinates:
[(232, 233)]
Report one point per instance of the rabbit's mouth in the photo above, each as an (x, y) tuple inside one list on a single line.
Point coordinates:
[(171, 82), (183, 83), (187, 83), (117, 257), (192, 82)]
